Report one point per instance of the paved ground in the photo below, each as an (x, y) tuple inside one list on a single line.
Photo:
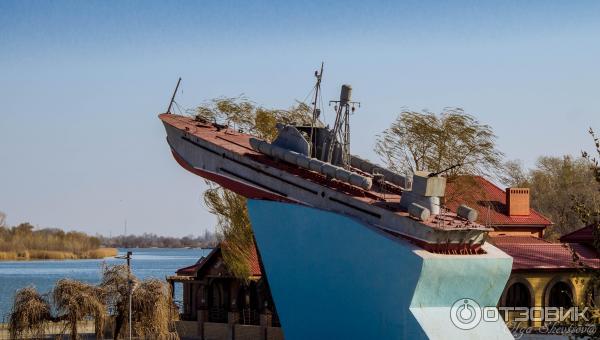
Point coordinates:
[(85, 328)]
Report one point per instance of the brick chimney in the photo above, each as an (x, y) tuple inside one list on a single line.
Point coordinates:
[(517, 201)]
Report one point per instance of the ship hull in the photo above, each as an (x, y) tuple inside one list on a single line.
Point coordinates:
[(236, 171), (334, 277)]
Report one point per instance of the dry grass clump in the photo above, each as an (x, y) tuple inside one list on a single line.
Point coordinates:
[(154, 310), (38, 254), (8, 255), (100, 253), (51, 255), (76, 301), (29, 313), (14, 255)]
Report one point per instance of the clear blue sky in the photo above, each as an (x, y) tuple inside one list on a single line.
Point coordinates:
[(81, 84)]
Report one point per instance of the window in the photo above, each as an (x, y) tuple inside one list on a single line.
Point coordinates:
[(518, 295), (560, 295)]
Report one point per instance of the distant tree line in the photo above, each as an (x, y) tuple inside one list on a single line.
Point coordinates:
[(24, 237), (558, 185), (22, 242), (148, 240)]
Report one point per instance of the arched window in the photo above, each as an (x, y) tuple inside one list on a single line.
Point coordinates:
[(518, 295), (560, 295)]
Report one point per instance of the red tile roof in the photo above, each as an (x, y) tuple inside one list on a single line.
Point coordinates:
[(582, 235), (490, 201), (530, 240), (193, 269), (253, 263), (530, 252)]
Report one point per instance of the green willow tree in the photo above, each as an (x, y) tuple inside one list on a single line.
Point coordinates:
[(235, 232), (418, 141), (452, 140), (233, 226)]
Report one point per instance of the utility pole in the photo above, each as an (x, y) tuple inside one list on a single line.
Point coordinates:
[(129, 285), (125, 234), (312, 146)]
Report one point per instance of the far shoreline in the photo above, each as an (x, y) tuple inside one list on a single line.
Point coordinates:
[(56, 255), (37, 254)]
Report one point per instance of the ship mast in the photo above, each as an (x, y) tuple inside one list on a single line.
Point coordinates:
[(340, 135), (312, 146), (173, 97)]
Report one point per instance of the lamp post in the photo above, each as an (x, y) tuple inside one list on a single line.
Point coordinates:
[(129, 283)]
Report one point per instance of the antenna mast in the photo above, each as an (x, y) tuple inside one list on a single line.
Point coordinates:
[(341, 129), (315, 114), (173, 97)]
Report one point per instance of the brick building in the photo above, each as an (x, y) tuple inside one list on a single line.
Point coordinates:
[(544, 273)]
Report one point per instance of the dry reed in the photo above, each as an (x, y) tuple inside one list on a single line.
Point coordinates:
[(51, 255), (8, 255), (37, 254), (101, 253)]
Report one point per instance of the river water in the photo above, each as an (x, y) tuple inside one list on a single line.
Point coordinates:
[(145, 263)]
